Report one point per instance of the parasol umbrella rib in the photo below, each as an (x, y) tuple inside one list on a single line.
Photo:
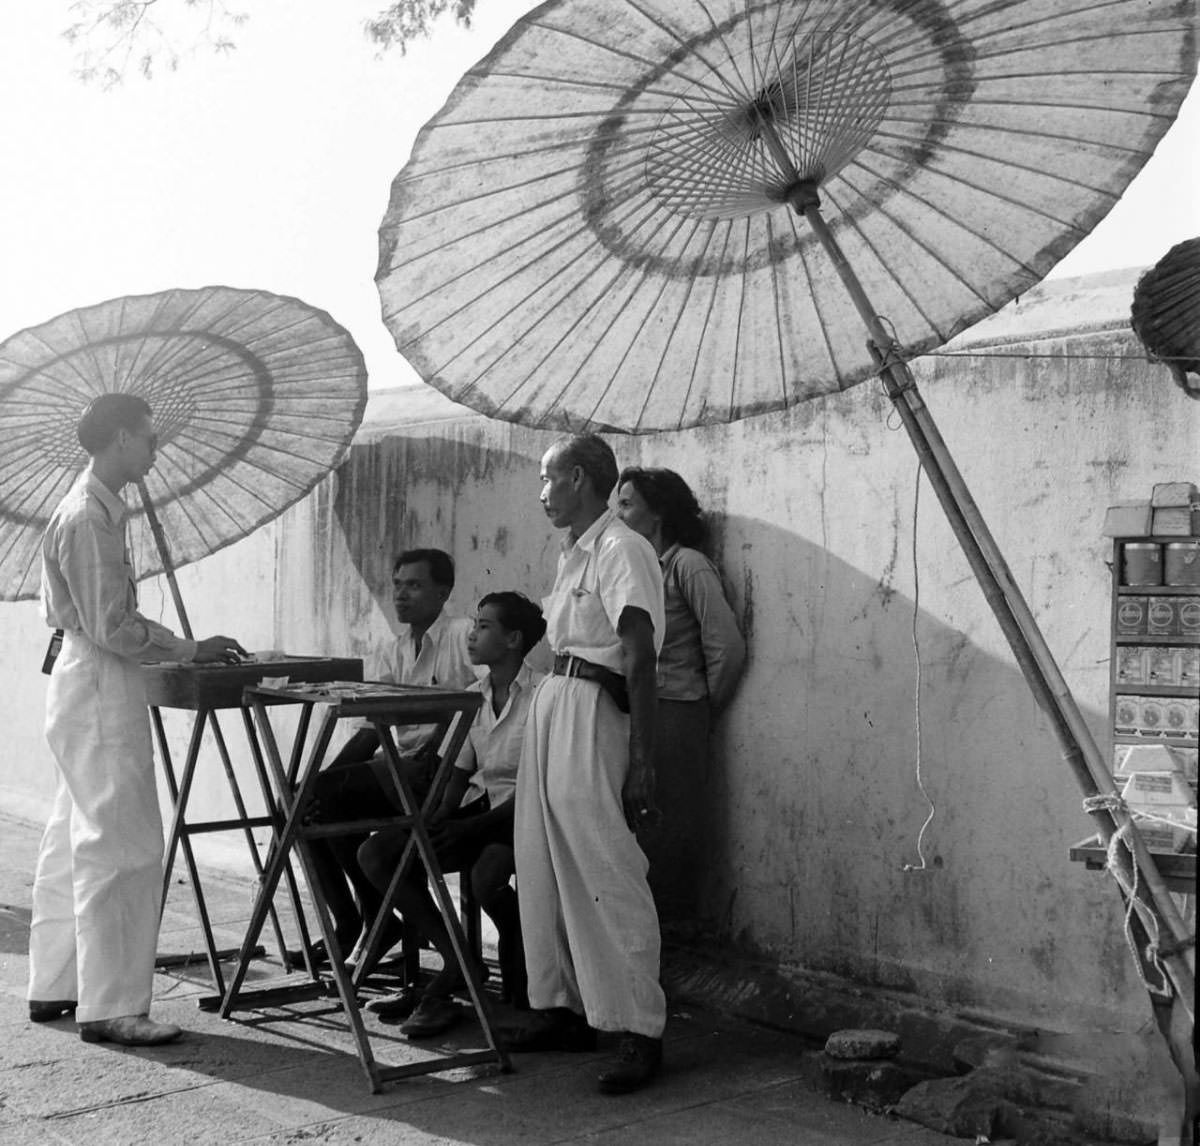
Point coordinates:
[(598, 343), (912, 235), (777, 299), (826, 337), (569, 239), (741, 308), (599, 297), (675, 326), (902, 287), (726, 233), (498, 256)]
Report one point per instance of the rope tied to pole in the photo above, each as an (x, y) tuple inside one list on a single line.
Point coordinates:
[(1104, 802), (1155, 950)]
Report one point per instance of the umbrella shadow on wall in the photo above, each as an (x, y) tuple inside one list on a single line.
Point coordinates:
[(478, 504), (817, 757), (814, 799)]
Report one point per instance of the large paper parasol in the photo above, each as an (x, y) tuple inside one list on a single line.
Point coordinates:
[(594, 231), (1166, 312), (618, 221), (255, 398)]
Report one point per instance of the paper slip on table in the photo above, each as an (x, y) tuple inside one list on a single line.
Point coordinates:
[(385, 706), (205, 690)]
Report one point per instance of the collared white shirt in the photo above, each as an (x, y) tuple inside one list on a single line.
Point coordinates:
[(87, 580), (492, 751), (606, 570), (442, 660)]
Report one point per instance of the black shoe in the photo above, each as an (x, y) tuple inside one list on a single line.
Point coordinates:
[(47, 1010), (555, 1030), (434, 1014), (395, 1008), (638, 1060), (318, 955)]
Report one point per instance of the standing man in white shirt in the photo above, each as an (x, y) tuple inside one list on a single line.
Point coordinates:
[(587, 777), (472, 827), (98, 882), (430, 648)]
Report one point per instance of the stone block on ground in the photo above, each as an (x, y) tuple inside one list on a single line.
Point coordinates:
[(949, 1106), (862, 1044), (877, 1084)]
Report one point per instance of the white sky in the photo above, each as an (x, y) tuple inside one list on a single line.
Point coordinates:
[(270, 167)]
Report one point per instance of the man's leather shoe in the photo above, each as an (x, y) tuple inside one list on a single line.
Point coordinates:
[(129, 1031), (47, 1010), (639, 1059), (558, 1029), (395, 1008), (434, 1014), (317, 953)]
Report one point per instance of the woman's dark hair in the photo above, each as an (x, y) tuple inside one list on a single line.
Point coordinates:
[(668, 495), (106, 415), (516, 611), (440, 563)]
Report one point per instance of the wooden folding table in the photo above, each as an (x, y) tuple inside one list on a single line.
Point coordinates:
[(385, 706), (205, 690)]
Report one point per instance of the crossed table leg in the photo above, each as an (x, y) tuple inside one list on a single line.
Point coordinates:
[(385, 707)]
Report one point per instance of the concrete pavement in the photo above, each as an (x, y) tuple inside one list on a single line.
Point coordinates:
[(291, 1076)]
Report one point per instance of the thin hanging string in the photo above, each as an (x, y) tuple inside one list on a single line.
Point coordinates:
[(916, 644)]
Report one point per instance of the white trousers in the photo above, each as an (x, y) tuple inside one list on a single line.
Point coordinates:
[(587, 917), (99, 871)]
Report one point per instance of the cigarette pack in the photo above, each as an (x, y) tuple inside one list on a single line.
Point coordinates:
[(1173, 493), (1171, 521), (1127, 519)]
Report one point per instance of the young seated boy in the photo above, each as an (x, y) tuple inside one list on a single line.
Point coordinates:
[(472, 828)]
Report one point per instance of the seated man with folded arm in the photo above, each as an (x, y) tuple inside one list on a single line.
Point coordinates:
[(430, 648), (472, 827)]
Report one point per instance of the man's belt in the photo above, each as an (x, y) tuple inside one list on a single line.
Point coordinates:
[(613, 683)]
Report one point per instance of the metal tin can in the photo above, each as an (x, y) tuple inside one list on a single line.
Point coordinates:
[(1142, 563), (1152, 715), (1189, 667), (1178, 716), (1181, 563), (1188, 614), (1131, 616), (1162, 617), (1132, 664), (1163, 666), (1126, 715)]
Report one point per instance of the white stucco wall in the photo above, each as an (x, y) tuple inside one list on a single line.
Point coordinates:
[(815, 521)]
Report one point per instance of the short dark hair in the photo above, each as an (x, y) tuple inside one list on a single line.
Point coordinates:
[(592, 454), (108, 414), (516, 611), (441, 564), (668, 495)]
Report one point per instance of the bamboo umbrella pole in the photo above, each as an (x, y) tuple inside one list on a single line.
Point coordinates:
[(1012, 612)]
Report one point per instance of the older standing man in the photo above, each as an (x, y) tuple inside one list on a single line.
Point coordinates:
[(99, 871), (587, 916)]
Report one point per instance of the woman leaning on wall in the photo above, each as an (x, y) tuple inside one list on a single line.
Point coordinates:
[(701, 661)]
